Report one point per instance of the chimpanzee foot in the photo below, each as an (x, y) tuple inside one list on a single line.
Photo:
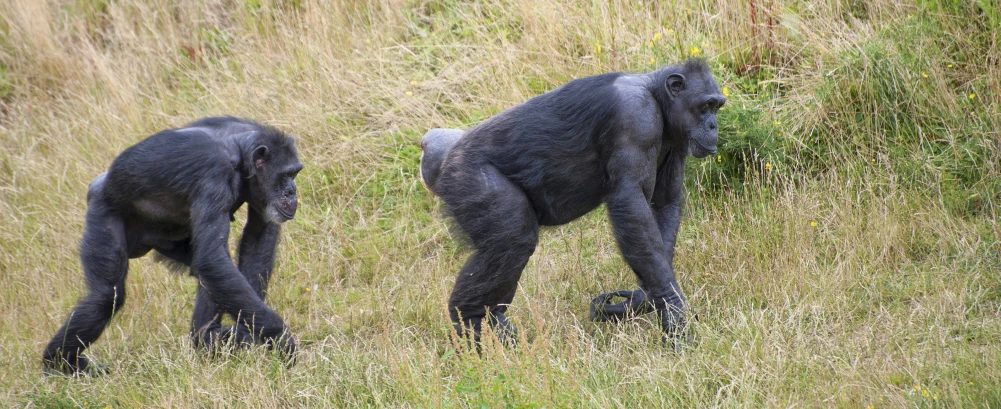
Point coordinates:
[(635, 304), (80, 366), (506, 332)]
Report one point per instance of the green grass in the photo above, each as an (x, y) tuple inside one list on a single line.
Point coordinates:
[(842, 250)]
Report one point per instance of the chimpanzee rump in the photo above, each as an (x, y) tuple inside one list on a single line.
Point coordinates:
[(618, 139), (176, 192)]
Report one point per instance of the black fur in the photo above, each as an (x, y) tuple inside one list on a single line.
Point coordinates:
[(617, 139), (176, 192)]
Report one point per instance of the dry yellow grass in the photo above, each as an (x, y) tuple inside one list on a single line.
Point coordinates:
[(870, 280)]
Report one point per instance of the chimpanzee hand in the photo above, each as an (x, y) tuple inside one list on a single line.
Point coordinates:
[(635, 304), (284, 343)]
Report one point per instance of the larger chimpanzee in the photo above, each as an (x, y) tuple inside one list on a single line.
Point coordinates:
[(617, 139), (176, 193)]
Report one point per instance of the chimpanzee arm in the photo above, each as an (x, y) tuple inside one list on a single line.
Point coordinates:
[(224, 283), (640, 239), (256, 262), (667, 199), (666, 206), (257, 251)]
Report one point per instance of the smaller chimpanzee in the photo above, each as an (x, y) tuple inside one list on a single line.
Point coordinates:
[(176, 192), (618, 139)]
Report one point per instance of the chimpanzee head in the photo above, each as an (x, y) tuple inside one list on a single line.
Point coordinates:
[(275, 164), (695, 98)]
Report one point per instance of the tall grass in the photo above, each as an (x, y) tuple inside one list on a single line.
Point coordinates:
[(842, 250)]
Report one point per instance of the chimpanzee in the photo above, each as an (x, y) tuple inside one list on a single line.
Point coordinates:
[(617, 139), (176, 192)]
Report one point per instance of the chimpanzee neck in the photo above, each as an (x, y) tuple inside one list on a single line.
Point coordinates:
[(244, 144), (657, 86)]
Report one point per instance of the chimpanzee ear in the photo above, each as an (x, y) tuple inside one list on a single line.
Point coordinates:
[(675, 84), (260, 156)]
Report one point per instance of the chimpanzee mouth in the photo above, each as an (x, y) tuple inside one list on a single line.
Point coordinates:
[(286, 207), (700, 151), (285, 214)]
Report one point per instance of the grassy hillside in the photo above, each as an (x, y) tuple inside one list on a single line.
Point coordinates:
[(842, 250)]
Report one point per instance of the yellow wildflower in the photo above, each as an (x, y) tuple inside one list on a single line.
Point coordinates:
[(924, 75), (694, 51), (656, 37), (777, 123), (950, 65), (973, 96), (719, 158), (726, 92), (917, 388), (652, 60), (413, 82), (409, 93), (813, 223), (925, 393), (768, 166)]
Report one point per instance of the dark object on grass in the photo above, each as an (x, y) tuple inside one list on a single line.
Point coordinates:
[(617, 139), (176, 192)]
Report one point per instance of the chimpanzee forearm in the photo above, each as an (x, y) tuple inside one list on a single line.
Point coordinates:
[(668, 222), (667, 199), (257, 251), (642, 246)]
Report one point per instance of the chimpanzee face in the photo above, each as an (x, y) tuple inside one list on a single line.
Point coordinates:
[(696, 101), (273, 189)]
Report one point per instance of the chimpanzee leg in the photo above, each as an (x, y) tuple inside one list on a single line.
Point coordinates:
[(104, 256), (504, 230)]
